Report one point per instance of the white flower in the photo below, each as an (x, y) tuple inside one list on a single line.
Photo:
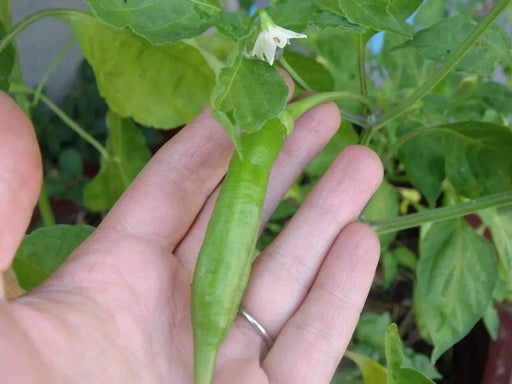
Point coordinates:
[(270, 39)]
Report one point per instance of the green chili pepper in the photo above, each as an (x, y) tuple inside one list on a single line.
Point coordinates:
[(225, 259)]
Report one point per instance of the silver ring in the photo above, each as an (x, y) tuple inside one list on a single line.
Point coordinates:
[(262, 331)]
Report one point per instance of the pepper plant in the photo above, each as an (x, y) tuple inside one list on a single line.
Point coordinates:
[(423, 83)]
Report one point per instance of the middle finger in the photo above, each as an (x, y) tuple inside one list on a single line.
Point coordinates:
[(283, 274)]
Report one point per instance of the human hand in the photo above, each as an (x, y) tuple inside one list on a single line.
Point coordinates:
[(118, 311)]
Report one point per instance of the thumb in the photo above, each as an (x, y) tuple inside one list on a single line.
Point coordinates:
[(20, 177)]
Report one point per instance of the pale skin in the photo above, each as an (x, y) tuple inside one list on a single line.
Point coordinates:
[(118, 310)]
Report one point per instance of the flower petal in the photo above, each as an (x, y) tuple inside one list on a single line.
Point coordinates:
[(270, 48), (272, 38), (259, 47)]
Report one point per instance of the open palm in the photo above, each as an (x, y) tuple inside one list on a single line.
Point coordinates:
[(118, 311)]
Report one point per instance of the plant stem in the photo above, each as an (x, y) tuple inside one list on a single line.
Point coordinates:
[(354, 118), (299, 107), (45, 209), (439, 214), (5, 14), (50, 70), (20, 88), (361, 40), (361, 59), (31, 19), (295, 76), (446, 67)]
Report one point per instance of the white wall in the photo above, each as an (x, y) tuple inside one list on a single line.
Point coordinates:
[(41, 42)]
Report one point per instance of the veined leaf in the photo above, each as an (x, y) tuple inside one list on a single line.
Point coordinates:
[(373, 14), (478, 160), (298, 14), (310, 70), (345, 136), (430, 12), (159, 21), (494, 95), (164, 86), (232, 24), (439, 40), (373, 372), (44, 250), (248, 93), (328, 5), (336, 50), (397, 374), (500, 224), (402, 9), (383, 205), (129, 154), (492, 321), (215, 48), (370, 341), (424, 161), (457, 274)]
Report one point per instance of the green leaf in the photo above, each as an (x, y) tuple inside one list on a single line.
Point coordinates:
[(6, 61), (394, 355), (457, 274), (370, 342), (424, 161), (430, 12), (215, 49), (298, 14), (375, 15), (71, 165), (235, 25), (494, 95), (328, 5), (336, 50), (402, 9), (370, 331), (439, 40), (406, 258), (129, 154), (397, 374), (383, 205), (492, 321), (373, 372), (407, 69), (420, 363), (163, 87), (44, 250), (345, 136), (248, 93), (500, 225), (159, 21), (310, 70), (412, 376), (390, 269), (232, 24), (478, 160)]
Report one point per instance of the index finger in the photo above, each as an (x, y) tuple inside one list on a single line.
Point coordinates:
[(164, 200)]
